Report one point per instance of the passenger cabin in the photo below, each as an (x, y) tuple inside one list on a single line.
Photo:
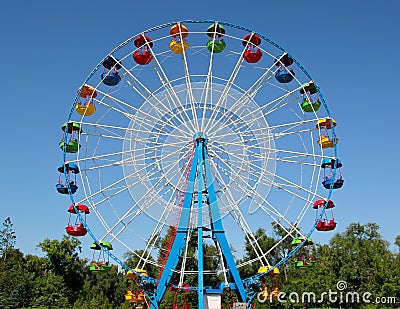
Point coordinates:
[(67, 178), (178, 44), (77, 228), (325, 220), (100, 264), (87, 108), (303, 258), (216, 43), (329, 165), (311, 102), (285, 73), (142, 55), (70, 137), (252, 53), (134, 296), (110, 76), (325, 126)]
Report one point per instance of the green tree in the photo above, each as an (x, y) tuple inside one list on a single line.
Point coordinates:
[(7, 239), (102, 290), (50, 292), (16, 289), (359, 256), (397, 242), (62, 259)]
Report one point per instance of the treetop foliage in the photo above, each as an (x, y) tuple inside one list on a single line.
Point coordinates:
[(359, 256)]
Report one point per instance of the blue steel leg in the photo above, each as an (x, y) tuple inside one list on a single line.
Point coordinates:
[(200, 284), (179, 242), (218, 230)]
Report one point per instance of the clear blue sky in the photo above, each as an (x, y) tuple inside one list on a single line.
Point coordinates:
[(48, 48)]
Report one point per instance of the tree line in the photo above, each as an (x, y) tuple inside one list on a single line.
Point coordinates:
[(359, 259)]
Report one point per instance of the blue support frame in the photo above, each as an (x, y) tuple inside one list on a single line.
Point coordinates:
[(200, 171), (219, 232), (200, 283), (179, 242)]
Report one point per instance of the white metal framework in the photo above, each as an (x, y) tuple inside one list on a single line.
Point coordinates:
[(137, 148)]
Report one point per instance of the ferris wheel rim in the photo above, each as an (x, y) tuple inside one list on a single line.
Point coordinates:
[(202, 21)]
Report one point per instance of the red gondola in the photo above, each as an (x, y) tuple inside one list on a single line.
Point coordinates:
[(327, 223), (77, 228), (252, 56), (324, 225), (143, 55), (252, 53)]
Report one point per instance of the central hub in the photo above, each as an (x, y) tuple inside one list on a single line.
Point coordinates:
[(200, 136)]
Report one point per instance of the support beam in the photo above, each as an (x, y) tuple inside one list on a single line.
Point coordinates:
[(218, 230), (200, 174), (200, 256), (179, 242)]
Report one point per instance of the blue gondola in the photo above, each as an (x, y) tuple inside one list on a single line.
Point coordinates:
[(285, 73), (336, 184), (111, 78), (284, 76), (62, 189), (69, 168), (330, 162)]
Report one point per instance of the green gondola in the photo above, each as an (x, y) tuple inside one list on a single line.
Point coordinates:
[(71, 147), (309, 106), (216, 46)]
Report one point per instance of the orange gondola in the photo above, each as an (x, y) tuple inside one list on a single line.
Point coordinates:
[(178, 44), (87, 108), (179, 30)]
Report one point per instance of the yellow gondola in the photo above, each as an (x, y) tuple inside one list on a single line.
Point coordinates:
[(142, 272), (86, 109), (326, 142), (178, 47), (264, 269), (129, 296), (140, 297)]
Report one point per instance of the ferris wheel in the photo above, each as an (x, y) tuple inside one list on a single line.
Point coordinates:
[(199, 133)]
